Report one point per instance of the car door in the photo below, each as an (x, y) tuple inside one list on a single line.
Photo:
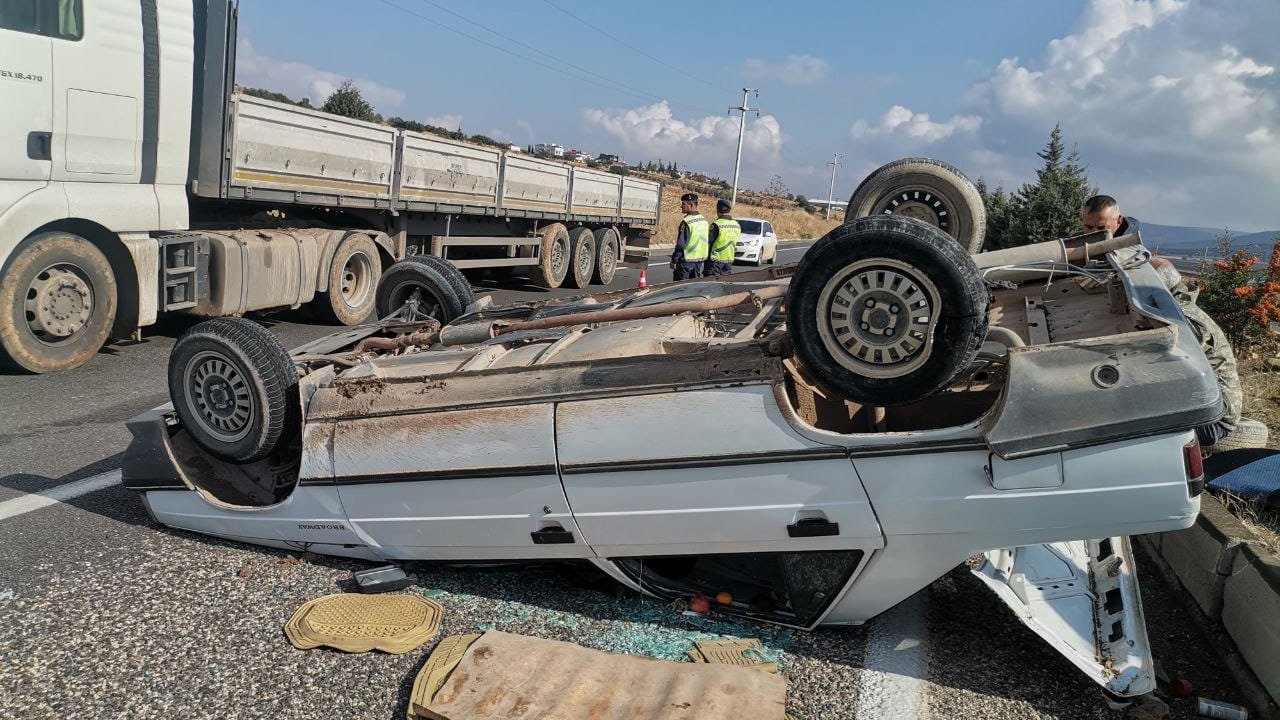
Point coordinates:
[(26, 94), (98, 112), (1081, 597), (770, 243), (706, 471), (466, 484)]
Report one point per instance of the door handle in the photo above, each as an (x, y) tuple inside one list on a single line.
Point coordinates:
[(813, 527), (553, 535), (40, 145)]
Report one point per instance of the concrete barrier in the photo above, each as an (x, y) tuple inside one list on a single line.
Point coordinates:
[(1251, 613), (1235, 580)]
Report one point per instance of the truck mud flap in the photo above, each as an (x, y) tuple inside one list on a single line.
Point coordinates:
[(1082, 597), (636, 252)]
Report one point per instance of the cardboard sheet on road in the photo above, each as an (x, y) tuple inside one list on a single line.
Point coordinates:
[(523, 678)]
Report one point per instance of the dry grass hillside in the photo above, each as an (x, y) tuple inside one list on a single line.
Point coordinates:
[(789, 222)]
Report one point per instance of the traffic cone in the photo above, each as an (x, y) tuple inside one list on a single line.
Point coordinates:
[(643, 282)]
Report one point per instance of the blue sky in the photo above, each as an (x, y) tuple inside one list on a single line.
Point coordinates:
[(1174, 104)]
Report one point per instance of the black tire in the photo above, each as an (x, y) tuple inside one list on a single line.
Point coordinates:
[(582, 257), (554, 256), (900, 266), (608, 250), (234, 389), (457, 280), (421, 283), (353, 281), (57, 303), (928, 190), (1248, 434)]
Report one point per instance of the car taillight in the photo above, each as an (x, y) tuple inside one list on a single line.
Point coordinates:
[(1194, 464)]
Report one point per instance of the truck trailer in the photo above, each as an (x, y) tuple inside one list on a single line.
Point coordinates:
[(137, 179)]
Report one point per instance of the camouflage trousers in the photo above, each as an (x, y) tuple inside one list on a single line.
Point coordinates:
[(1216, 347)]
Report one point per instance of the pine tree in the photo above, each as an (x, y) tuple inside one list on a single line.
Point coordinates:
[(1049, 208)]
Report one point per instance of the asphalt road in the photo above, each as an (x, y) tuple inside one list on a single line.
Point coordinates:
[(104, 614)]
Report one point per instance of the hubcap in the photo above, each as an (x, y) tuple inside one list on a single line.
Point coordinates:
[(607, 259), (920, 204), (584, 262), (557, 257), (877, 317), (219, 394), (59, 303), (357, 280)]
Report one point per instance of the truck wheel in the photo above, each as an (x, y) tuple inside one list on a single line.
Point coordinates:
[(353, 280), (886, 310), (57, 303), (422, 287), (928, 190), (607, 245), (554, 257), (582, 244), (234, 388), (459, 282)]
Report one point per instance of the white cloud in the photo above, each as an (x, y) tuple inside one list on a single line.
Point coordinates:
[(795, 70), (917, 126), (708, 143), (299, 80), (1165, 99), (448, 122)]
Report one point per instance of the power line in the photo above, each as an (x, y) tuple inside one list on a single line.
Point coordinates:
[(628, 45), (634, 90), (605, 83)]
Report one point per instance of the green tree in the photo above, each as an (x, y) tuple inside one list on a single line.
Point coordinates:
[(270, 95), (1001, 214), (348, 102), (1049, 208)]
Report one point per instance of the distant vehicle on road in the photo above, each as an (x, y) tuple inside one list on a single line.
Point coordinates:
[(758, 244)]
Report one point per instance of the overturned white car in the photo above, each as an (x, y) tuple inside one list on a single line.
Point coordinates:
[(820, 440)]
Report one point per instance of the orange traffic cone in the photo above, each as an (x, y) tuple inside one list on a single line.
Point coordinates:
[(643, 282)]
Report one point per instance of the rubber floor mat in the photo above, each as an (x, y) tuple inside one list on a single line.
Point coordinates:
[(746, 653), (431, 677), (355, 623)]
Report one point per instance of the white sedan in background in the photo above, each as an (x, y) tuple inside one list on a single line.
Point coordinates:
[(758, 243)]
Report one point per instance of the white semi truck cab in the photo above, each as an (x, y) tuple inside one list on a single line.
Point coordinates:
[(136, 180)]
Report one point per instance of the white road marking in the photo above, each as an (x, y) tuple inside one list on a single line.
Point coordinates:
[(896, 661), (61, 493)]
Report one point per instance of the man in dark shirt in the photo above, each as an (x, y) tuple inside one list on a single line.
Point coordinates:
[(1102, 212)]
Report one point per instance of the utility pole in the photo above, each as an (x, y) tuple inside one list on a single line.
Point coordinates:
[(742, 128), (835, 162)]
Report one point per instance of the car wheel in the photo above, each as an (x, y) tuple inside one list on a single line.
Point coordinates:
[(582, 256), (886, 310), (458, 281), (927, 190), (234, 388), (57, 303), (420, 286), (353, 280), (553, 262), (607, 246)]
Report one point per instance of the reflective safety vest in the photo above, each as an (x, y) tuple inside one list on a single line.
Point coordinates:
[(695, 248), (728, 232)]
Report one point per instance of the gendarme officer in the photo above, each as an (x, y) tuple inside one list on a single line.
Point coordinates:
[(691, 249), (723, 239)]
